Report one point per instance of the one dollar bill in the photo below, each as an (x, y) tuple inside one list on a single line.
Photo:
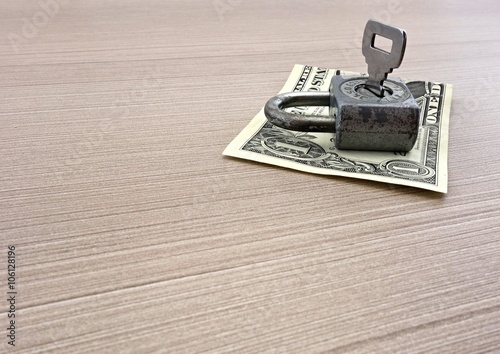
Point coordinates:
[(425, 166)]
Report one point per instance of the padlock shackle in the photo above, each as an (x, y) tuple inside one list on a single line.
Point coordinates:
[(274, 111)]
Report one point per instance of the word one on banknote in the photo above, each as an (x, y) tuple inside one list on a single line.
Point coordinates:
[(365, 112)]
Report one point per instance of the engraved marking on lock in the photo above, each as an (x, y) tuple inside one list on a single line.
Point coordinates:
[(296, 148), (356, 88)]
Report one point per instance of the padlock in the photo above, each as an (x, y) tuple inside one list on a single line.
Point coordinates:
[(366, 112)]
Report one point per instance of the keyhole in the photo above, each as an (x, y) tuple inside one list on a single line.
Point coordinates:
[(383, 44), (366, 91)]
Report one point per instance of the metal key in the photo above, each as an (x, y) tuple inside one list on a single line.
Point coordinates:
[(381, 63)]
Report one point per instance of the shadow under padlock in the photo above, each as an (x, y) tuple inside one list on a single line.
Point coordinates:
[(366, 113)]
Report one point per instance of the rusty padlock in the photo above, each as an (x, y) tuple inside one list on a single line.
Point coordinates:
[(366, 112)]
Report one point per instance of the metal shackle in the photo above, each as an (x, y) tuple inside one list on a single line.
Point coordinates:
[(276, 114)]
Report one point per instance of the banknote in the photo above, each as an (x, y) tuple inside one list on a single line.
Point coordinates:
[(425, 166)]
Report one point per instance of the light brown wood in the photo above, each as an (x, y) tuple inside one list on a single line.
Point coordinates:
[(134, 234)]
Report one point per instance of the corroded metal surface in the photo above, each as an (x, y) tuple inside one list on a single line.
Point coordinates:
[(365, 121)]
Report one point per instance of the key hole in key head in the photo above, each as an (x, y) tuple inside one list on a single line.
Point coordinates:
[(381, 43)]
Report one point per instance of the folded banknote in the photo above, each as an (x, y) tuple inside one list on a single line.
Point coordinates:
[(425, 166)]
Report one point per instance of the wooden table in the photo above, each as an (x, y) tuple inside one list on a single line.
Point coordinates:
[(133, 234)]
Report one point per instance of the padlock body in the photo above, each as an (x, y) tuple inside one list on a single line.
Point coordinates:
[(364, 121)]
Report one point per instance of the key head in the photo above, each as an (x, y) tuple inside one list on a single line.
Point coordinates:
[(381, 63)]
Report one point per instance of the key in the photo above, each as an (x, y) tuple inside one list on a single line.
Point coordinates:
[(381, 63)]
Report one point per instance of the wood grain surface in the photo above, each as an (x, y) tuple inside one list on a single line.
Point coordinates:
[(133, 234)]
